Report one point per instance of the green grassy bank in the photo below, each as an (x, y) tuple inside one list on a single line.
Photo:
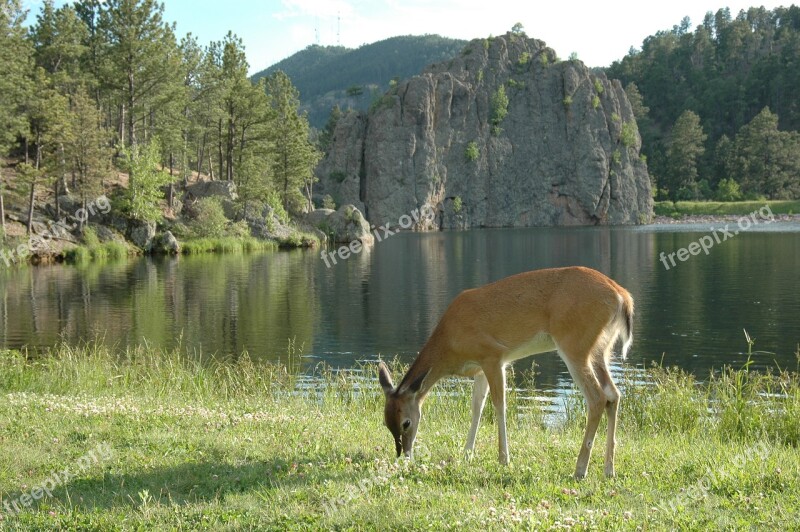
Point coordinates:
[(738, 208), (154, 441)]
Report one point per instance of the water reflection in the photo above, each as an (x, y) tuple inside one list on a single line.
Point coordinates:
[(386, 302)]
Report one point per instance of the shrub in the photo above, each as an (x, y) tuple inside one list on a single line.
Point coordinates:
[(240, 229), (499, 105), (116, 250), (328, 203), (209, 220), (274, 201), (595, 101), (78, 255), (567, 100), (628, 134), (471, 152), (457, 204), (598, 86), (89, 236), (728, 190)]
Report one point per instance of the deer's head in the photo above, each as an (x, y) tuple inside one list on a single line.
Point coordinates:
[(403, 409)]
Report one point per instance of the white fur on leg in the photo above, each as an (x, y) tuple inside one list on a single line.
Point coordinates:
[(479, 390)]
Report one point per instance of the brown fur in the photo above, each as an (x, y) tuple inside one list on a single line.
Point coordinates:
[(581, 310)]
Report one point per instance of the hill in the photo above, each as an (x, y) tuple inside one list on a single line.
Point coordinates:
[(739, 76), (331, 75)]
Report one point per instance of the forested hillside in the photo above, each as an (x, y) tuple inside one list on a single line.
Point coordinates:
[(333, 75), (718, 108), (93, 86)]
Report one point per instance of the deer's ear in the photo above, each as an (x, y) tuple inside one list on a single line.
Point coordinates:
[(415, 386), (385, 378)]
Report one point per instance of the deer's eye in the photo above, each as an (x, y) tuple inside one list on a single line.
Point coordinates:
[(406, 424)]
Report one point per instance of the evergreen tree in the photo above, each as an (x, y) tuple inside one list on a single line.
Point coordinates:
[(47, 113), (767, 160), (685, 148), (140, 59), (294, 157), (325, 139), (59, 38), (15, 68), (88, 152), (145, 181)]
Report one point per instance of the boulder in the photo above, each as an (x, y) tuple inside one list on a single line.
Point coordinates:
[(142, 234), (207, 189), (343, 225), (169, 244)]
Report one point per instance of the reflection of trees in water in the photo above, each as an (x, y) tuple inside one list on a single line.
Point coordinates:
[(389, 301), (210, 304)]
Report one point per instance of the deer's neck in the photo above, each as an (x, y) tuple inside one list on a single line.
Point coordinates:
[(428, 363)]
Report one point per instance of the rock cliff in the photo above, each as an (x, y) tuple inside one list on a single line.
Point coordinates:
[(505, 135)]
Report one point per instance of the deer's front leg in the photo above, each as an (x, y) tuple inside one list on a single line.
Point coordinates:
[(480, 389), (496, 376)]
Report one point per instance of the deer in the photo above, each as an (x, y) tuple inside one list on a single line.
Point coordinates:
[(576, 311)]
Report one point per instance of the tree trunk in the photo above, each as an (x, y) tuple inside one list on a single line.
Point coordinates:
[(2, 212), (131, 116), (56, 187), (229, 149), (219, 147), (171, 191), (81, 218), (32, 198), (122, 120), (64, 185)]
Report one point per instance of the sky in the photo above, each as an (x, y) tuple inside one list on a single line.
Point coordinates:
[(599, 32)]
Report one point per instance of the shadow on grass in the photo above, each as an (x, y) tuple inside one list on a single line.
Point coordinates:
[(182, 484)]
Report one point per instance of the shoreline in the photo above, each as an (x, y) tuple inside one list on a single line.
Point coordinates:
[(693, 219)]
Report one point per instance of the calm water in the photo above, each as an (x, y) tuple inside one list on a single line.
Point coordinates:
[(386, 302)]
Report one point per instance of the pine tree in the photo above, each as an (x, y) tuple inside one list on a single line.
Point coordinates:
[(145, 182), (140, 58), (15, 67), (47, 113), (59, 38), (87, 152), (685, 148), (294, 157), (767, 159)]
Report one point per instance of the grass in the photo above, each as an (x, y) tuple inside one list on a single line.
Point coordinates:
[(208, 444), (225, 245), (737, 208), (96, 252)]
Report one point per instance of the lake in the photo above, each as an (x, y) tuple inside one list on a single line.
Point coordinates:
[(385, 302)]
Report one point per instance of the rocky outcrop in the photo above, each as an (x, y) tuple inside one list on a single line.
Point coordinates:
[(505, 135), (142, 234), (169, 244), (342, 226)]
